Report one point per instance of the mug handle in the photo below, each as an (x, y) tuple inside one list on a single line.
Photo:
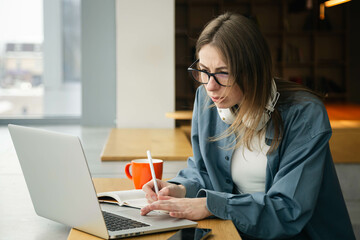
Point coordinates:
[(127, 172)]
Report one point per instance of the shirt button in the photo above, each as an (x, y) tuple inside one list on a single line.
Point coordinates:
[(228, 181), (227, 158)]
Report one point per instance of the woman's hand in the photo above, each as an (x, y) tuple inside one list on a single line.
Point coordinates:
[(165, 189), (189, 208)]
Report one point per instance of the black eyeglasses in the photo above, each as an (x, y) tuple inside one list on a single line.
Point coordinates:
[(203, 77)]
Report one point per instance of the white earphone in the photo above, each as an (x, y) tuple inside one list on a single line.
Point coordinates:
[(228, 116)]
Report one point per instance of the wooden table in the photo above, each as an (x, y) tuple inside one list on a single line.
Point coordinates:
[(128, 144), (221, 229)]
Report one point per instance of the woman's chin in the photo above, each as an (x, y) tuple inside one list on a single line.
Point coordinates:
[(221, 105)]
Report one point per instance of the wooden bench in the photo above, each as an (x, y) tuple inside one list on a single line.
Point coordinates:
[(174, 144), (345, 141)]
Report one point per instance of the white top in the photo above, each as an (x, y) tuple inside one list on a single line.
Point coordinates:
[(248, 168)]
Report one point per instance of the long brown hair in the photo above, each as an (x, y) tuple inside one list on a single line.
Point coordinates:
[(247, 55)]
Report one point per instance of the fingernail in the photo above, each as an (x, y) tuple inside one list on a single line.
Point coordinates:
[(154, 198)]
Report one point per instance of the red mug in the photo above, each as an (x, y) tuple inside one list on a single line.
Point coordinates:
[(141, 173)]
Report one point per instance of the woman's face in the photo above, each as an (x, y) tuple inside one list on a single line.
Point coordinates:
[(211, 60)]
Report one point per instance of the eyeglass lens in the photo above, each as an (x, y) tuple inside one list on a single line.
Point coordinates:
[(204, 78)]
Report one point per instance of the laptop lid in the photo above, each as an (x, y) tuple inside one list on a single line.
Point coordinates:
[(61, 188), (58, 179)]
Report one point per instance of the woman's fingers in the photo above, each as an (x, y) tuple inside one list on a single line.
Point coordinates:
[(177, 214), (165, 205), (190, 208), (161, 197), (150, 195), (165, 189), (149, 190)]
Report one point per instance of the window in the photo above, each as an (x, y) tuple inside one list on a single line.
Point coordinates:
[(32, 31)]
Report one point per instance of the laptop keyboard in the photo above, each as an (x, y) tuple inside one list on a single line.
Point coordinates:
[(116, 223)]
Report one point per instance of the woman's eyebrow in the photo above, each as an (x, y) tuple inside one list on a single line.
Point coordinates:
[(216, 70)]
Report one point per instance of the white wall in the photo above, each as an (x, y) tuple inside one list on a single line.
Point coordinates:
[(145, 41)]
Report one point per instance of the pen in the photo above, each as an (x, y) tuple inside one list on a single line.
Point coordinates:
[(152, 172)]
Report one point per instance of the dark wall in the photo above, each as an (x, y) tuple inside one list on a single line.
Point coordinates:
[(354, 51)]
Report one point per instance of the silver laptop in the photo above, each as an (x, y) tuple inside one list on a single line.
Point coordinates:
[(61, 188)]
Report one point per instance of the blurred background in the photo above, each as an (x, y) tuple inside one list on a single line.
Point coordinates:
[(85, 67)]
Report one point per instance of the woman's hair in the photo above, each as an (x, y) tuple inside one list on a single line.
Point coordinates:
[(248, 58)]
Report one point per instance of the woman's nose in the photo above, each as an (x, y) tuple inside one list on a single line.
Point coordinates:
[(212, 84)]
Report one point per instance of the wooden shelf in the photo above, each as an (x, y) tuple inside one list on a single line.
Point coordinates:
[(313, 54), (330, 33), (331, 64), (295, 64), (298, 34)]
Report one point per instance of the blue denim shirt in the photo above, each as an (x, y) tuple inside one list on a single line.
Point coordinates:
[(302, 197)]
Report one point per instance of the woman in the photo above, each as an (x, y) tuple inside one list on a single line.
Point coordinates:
[(261, 146)]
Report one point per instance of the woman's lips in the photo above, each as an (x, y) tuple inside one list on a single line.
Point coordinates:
[(216, 99)]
